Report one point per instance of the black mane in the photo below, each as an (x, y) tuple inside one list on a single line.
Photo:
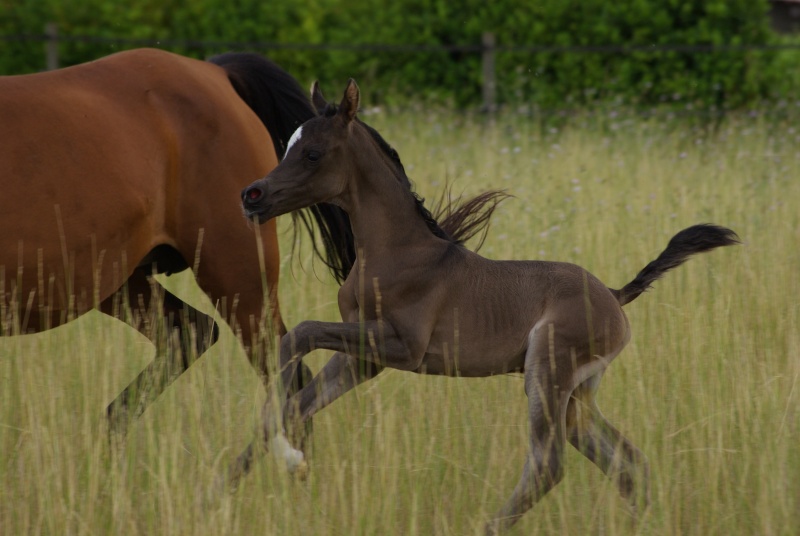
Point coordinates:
[(282, 105), (453, 220), (426, 214)]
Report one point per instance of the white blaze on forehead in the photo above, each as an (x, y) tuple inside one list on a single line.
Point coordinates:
[(295, 137)]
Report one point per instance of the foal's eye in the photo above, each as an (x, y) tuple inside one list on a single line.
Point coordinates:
[(313, 156)]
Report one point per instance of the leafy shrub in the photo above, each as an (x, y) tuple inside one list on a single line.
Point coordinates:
[(554, 76)]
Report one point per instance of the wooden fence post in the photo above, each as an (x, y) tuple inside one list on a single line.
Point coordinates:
[(489, 80), (51, 45)]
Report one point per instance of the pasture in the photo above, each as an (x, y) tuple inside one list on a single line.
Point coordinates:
[(708, 388)]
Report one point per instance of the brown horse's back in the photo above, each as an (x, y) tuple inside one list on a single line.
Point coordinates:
[(106, 160)]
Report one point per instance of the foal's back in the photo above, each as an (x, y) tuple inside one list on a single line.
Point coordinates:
[(493, 308)]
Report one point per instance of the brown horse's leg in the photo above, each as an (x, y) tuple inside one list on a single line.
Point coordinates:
[(180, 333), (339, 375), (605, 446), (543, 467)]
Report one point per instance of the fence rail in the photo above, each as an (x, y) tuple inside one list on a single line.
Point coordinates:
[(51, 34), (488, 48)]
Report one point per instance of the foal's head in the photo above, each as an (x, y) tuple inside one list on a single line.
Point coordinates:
[(328, 153), (320, 159)]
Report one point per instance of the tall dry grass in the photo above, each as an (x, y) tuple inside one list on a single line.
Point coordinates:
[(709, 387)]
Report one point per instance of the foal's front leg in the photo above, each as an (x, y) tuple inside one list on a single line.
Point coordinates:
[(341, 374), (373, 341)]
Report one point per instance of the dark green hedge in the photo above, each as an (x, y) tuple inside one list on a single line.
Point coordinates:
[(554, 78)]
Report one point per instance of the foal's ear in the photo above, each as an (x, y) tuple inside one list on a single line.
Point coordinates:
[(349, 106), (316, 97)]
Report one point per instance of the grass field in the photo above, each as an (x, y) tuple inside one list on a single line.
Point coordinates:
[(709, 387)]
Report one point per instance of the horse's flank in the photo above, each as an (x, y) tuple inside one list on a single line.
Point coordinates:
[(109, 160)]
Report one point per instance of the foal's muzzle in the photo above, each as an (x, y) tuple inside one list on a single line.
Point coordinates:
[(252, 195), (253, 203)]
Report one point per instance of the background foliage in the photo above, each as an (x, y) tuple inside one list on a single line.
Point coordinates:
[(728, 78)]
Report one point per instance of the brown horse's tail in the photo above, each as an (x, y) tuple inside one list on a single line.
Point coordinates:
[(695, 239), (462, 220), (282, 105), (272, 93)]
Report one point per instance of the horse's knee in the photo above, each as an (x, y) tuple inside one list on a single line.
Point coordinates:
[(117, 417), (296, 341), (196, 336), (198, 331), (207, 333)]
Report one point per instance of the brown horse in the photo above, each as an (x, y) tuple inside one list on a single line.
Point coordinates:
[(133, 164), (417, 301)]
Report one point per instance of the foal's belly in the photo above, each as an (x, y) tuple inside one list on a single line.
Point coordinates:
[(444, 362)]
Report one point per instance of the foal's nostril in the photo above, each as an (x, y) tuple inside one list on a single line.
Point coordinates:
[(252, 194)]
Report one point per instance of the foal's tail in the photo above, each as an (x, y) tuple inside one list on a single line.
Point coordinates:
[(695, 239)]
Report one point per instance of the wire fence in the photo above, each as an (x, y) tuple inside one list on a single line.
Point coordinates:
[(195, 44), (487, 49)]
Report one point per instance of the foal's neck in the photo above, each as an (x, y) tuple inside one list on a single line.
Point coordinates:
[(383, 212)]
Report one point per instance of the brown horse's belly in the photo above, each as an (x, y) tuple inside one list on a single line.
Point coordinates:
[(78, 211), (68, 263)]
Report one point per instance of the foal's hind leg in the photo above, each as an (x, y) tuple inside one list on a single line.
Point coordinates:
[(341, 374), (159, 316), (544, 465), (590, 433)]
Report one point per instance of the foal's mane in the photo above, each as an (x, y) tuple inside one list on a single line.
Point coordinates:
[(460, 221), (419, 202)]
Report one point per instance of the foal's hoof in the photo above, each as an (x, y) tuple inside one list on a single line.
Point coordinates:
[(294, 459), (491, 528), (301, 471)]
